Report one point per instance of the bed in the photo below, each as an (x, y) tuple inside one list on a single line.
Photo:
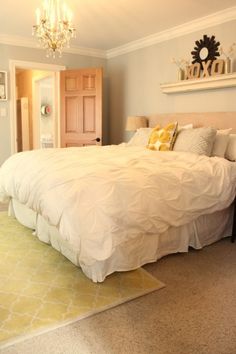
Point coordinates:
[(115, 208)]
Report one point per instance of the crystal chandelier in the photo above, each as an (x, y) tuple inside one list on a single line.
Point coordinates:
[(53, 27)]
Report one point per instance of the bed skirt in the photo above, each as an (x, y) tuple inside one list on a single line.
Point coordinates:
[(136, 252)]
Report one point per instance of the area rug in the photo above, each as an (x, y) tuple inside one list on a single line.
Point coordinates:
[(41, 290)]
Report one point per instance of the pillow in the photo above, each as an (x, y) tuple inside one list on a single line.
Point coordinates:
[(230, 153), (140, 138), (163, 139), (221, 142), (187, 126), (198, 141)]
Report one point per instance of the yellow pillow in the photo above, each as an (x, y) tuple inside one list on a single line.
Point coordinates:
[(163, 139)]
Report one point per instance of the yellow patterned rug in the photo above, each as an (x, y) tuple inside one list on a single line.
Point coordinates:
[(41, 290)]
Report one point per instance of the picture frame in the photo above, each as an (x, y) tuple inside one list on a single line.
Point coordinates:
[(3, 86)]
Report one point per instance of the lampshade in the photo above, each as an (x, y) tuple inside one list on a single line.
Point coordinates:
[(135, 122)]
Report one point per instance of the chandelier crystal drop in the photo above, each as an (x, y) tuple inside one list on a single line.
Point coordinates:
[(54, 27)]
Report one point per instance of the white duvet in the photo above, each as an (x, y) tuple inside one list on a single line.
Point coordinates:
[(98, 197)]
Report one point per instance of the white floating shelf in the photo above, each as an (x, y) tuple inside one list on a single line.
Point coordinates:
[(209, 83)]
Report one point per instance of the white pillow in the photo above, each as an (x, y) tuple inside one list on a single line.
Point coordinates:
[(140, 138), (198, 141), (187, 126), (221, 142), (230, 153)]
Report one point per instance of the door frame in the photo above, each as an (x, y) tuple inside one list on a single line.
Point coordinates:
[(13, 65)]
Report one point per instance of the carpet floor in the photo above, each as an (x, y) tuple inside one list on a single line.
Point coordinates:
[(194, 314), (40, 289)]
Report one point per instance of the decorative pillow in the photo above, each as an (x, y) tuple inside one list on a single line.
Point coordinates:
[(230, 153), (221, 142), (140, 138), (163, 139), (198, 141), (187, 126)]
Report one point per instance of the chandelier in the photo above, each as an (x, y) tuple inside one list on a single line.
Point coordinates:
[(54, 27)]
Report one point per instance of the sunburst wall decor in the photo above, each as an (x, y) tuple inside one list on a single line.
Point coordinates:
[(205, 49)]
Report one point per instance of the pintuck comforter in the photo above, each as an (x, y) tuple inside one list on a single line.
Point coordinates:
[(99, 197)]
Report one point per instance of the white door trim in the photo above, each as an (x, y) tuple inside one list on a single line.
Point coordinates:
[(13, 64), (36, 116)]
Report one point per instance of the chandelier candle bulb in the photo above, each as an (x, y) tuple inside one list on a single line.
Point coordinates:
[(53, 21), (45, 6), (58, 11), (64, 12), (37, 16), (70, 16)]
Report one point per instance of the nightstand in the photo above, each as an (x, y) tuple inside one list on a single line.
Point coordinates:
[(233, 237)]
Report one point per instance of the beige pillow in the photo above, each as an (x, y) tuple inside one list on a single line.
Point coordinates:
[(198, 141), (162, 139), (140, 138), (230, 153), (221, 142), (186, 126)]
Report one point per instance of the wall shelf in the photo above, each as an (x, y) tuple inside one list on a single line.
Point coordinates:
[(209, 83)]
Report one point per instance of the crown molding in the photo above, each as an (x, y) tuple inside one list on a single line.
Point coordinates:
[(31, 43), (90, 52), (199, 24)]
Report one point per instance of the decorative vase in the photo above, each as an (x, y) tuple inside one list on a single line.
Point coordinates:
[(181, 74), (228, 66)]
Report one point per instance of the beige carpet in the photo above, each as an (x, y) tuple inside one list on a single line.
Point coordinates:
[(194, 314), (40, 289)]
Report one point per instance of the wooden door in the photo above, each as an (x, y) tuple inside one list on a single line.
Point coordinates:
[(81, 107)]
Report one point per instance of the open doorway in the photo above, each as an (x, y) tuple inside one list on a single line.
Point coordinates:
[(36, 119), (44, 111), (34, 106)]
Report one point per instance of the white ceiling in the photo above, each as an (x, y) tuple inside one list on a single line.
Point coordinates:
[(107, 24)]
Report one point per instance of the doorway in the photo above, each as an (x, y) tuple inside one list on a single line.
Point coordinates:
[(44, 112), (33, 129), (35, 89)]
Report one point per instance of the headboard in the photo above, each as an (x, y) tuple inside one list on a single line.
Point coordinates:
[(219, 120)]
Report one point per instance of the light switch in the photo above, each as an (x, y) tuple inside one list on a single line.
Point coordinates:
[(3, 112)]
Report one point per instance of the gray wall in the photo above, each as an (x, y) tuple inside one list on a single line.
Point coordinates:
[(71, 61), (134, 81)]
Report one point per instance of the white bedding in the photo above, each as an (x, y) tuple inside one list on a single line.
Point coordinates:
[(135, 252), (101, 197)]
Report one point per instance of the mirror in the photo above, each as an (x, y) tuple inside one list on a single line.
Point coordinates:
[(205, 49), (203, 53)]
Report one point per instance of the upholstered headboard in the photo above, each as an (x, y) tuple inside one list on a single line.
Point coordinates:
[(219, 120)]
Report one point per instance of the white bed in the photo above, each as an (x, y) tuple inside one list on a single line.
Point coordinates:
[(105, 209), (134, 253)]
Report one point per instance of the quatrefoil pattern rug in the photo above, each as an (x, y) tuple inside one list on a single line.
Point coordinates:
[(41, 290)]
